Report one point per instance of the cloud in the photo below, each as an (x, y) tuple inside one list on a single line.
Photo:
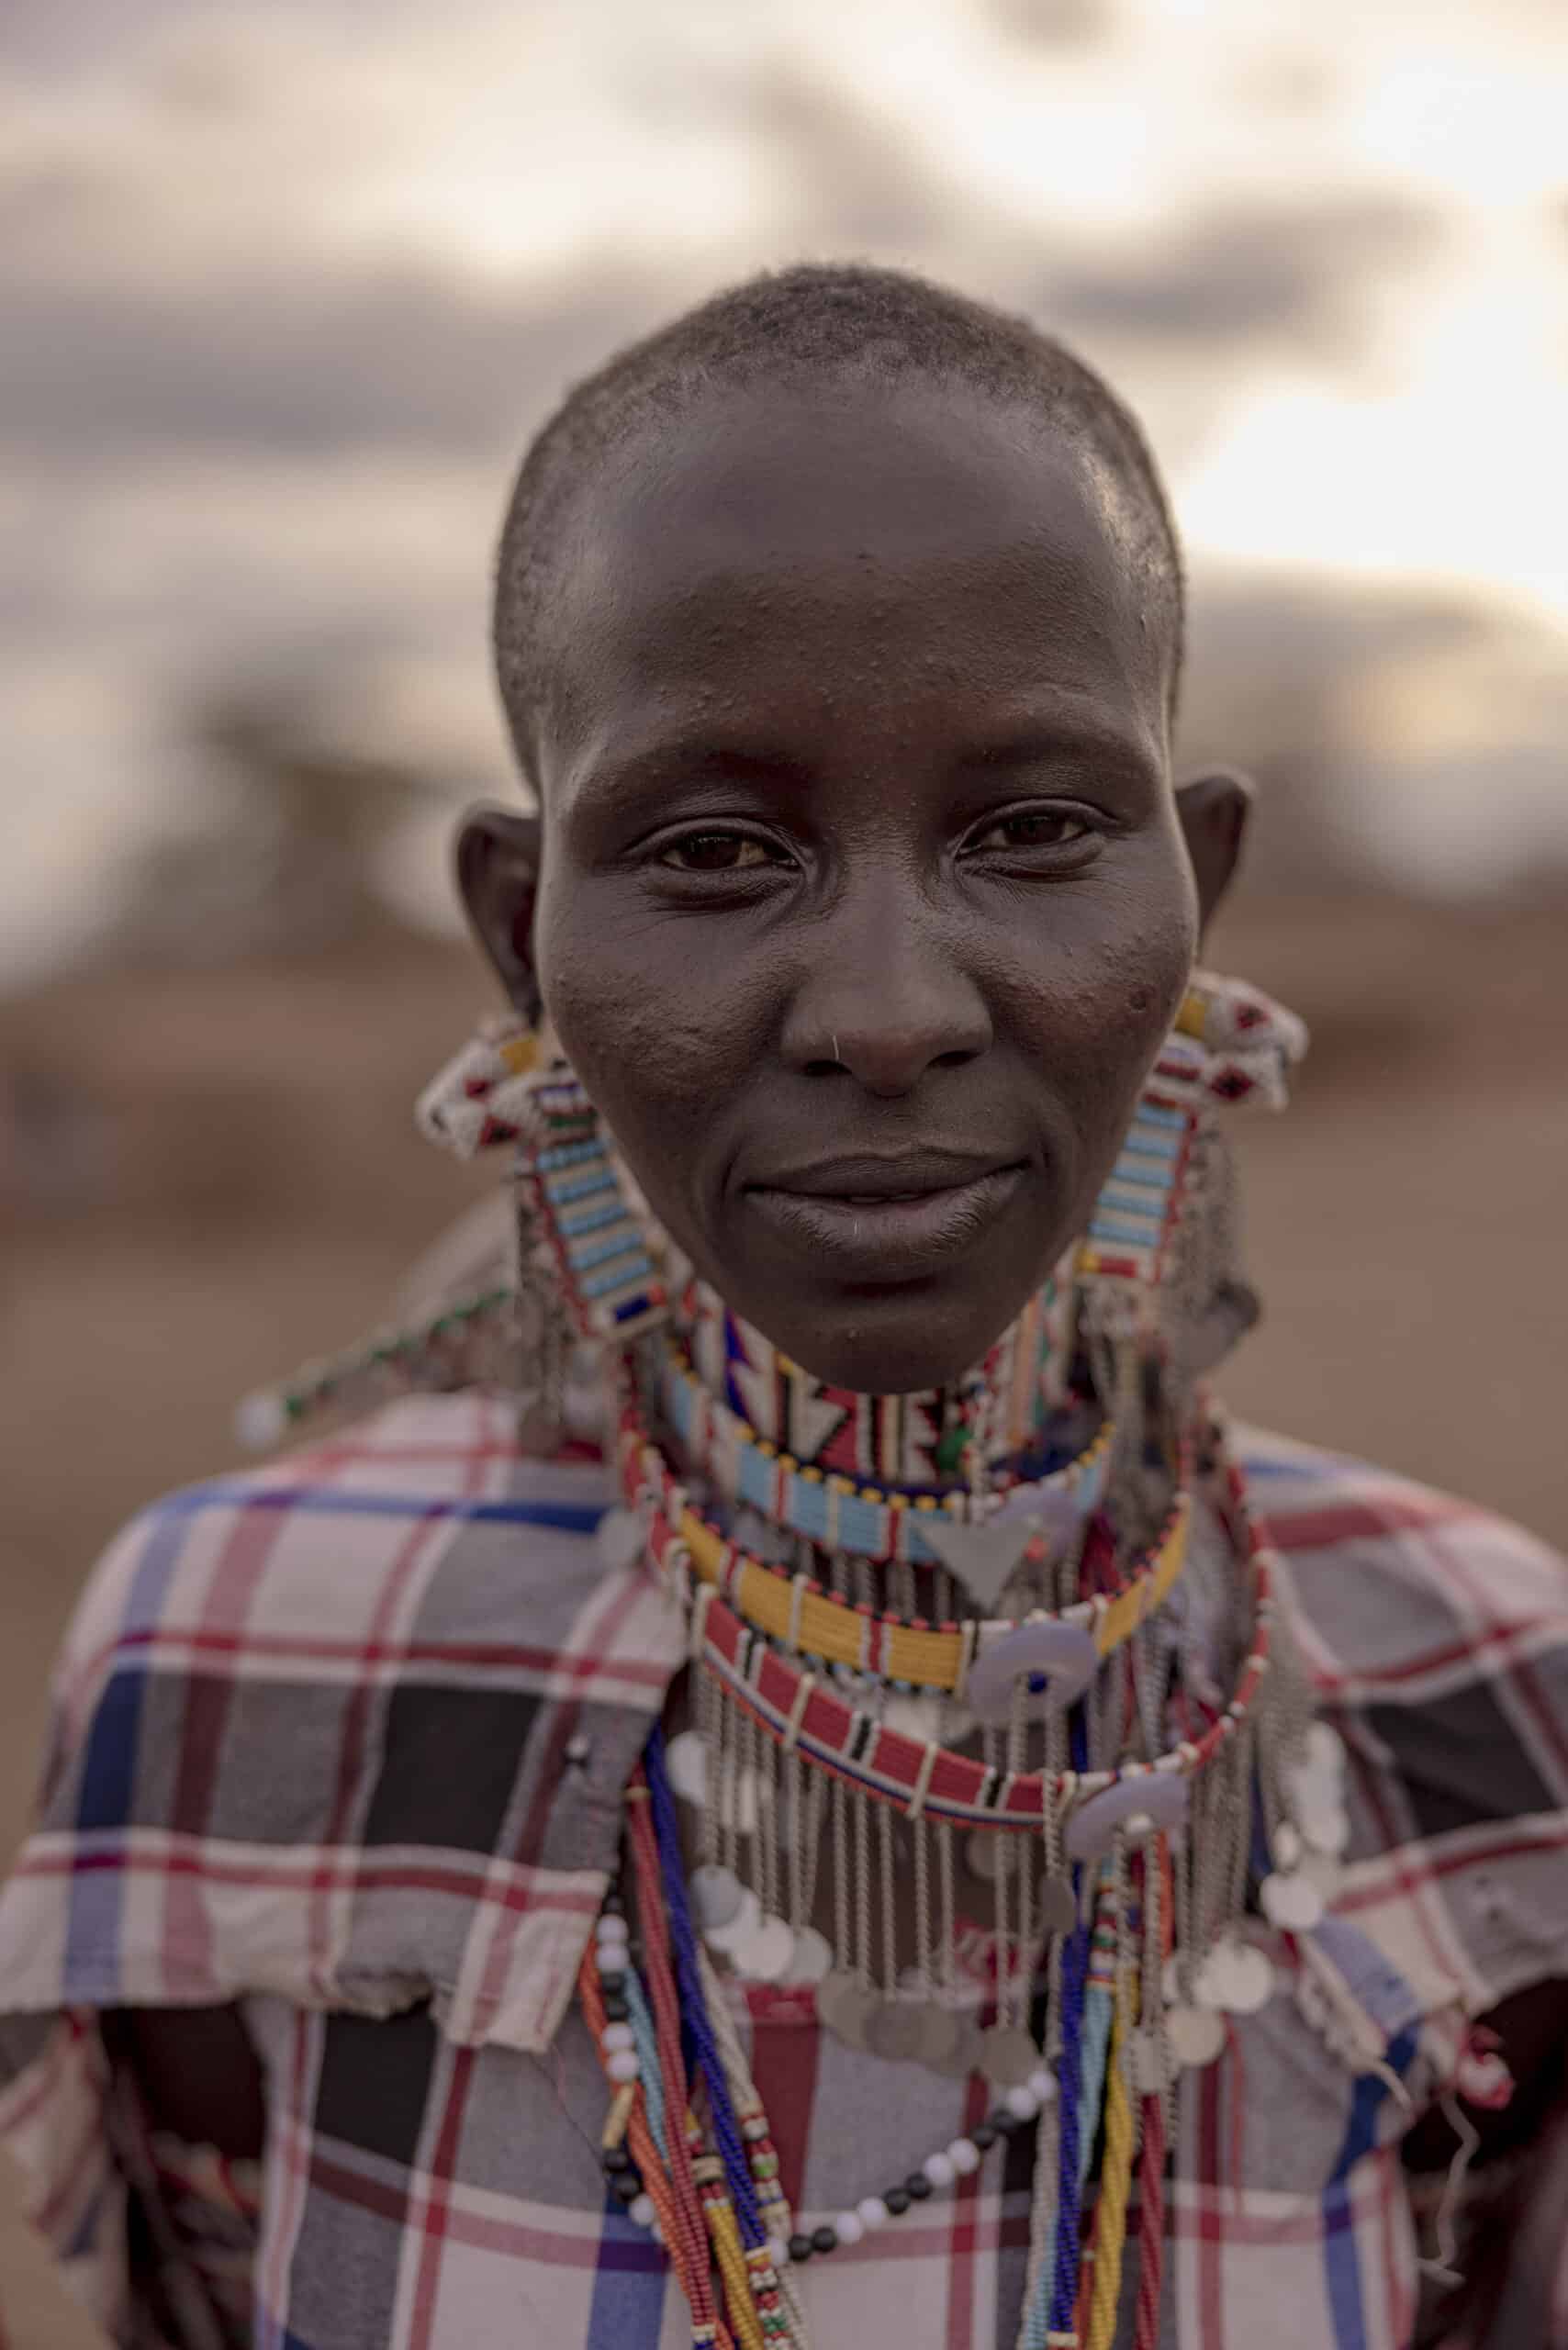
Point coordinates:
[(1301, 275)]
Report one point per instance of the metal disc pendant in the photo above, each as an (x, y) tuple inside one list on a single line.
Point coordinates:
[(844, 2005), (1291, 1902), (1327, 1872), (1059, 1905), (1196, 2036), (982, 1850), (812, 1961), (737, 1929), (686, 1764), (619, 1539), (946, 2040), (1325, 1823), (715, 1897), (765, 1952), (1007, 2055), (985, 1558), (1146, 2061), (1061, 1657), (1236, 1977), (1158, 1797), (893, 2029)]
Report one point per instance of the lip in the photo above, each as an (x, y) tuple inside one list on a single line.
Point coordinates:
[(886, 1219)]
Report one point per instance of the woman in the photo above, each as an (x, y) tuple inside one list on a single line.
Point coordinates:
[(795, 1814)]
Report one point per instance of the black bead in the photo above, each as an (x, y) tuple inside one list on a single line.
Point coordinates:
[(983, 2134), (613, 1906), (627, 2185), (615, 2009), (823, 2240), (800, 2249), (616, 2158), (613, 1983), (1003, 2121), (897, 2199), (917, 2185)]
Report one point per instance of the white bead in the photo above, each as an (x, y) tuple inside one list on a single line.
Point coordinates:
[(1042, 2083), (620, 2035), (939, 2170), (964, 2156), (872, 2212), (778, 2251), (1021, 2102), (643, 2210), (622, 2064), (611, 1933), (847, 2228)]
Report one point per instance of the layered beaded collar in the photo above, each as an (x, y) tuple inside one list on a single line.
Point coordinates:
[(938, 1442)]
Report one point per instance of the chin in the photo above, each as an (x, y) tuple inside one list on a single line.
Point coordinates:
[(888, 1342)]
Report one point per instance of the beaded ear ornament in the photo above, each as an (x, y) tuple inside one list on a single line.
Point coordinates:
[(1007, 1653)]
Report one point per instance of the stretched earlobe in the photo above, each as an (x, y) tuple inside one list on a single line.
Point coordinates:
[(1214, 810), (498, 859)]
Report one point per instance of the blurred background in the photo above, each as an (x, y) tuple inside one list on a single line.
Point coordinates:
[(287, 285)]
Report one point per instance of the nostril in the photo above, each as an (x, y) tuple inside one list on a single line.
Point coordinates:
[(824, 1068)]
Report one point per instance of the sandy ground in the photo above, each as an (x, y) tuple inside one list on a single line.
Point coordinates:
[(1406, 1219)]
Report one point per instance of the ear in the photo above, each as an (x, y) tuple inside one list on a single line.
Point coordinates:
[(497, 875), (1214, 810)]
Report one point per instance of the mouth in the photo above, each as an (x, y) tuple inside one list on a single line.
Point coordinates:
[(887, 1218)]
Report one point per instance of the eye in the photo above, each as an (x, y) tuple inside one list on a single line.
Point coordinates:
[(1025, 828), (715, 852)]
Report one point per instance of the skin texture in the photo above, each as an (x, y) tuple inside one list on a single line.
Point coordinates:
[(862, 867)]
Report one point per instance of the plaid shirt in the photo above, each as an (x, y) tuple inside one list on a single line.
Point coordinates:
[(309, 1755)]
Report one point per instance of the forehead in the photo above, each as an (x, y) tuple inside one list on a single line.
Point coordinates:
[(791, 549)]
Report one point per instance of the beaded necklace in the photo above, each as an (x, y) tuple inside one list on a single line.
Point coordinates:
[(1104, 1788), (959, 1657)]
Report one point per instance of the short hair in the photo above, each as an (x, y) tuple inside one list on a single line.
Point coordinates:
[(804, 326)]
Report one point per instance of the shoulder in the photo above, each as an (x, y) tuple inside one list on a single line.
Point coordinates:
[(395, 1665), (1400, 1586), (418, 1528), (1436, 1634)]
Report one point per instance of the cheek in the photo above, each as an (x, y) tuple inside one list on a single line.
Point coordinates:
[(648, 1022), (1094, 1019)]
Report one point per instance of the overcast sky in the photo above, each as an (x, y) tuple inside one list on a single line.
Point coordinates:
[(287, 285)]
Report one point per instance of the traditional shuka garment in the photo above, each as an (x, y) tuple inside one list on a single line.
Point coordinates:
[(345, 1741)]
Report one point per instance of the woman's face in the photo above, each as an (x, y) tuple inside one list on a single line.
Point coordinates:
[(865, 905)]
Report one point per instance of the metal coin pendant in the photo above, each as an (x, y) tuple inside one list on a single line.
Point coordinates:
[(715, 1897), (945, 2041), (1141, 1803), (1236, 1977), (1007, 2055), (893, 2029), (812, 1961), (738, 1928), (844, 2005), (1196, 2036), (982, 1850), (1291, 1902), (686, 1764), (1059, 1905), (1147, 2063), (765, 1953)]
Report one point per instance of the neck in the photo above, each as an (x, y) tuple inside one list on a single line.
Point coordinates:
[(934, 1440)]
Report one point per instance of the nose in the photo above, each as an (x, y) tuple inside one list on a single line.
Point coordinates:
[(883, 997)]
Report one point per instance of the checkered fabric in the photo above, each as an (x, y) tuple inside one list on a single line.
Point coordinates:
[(345, 1740)]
